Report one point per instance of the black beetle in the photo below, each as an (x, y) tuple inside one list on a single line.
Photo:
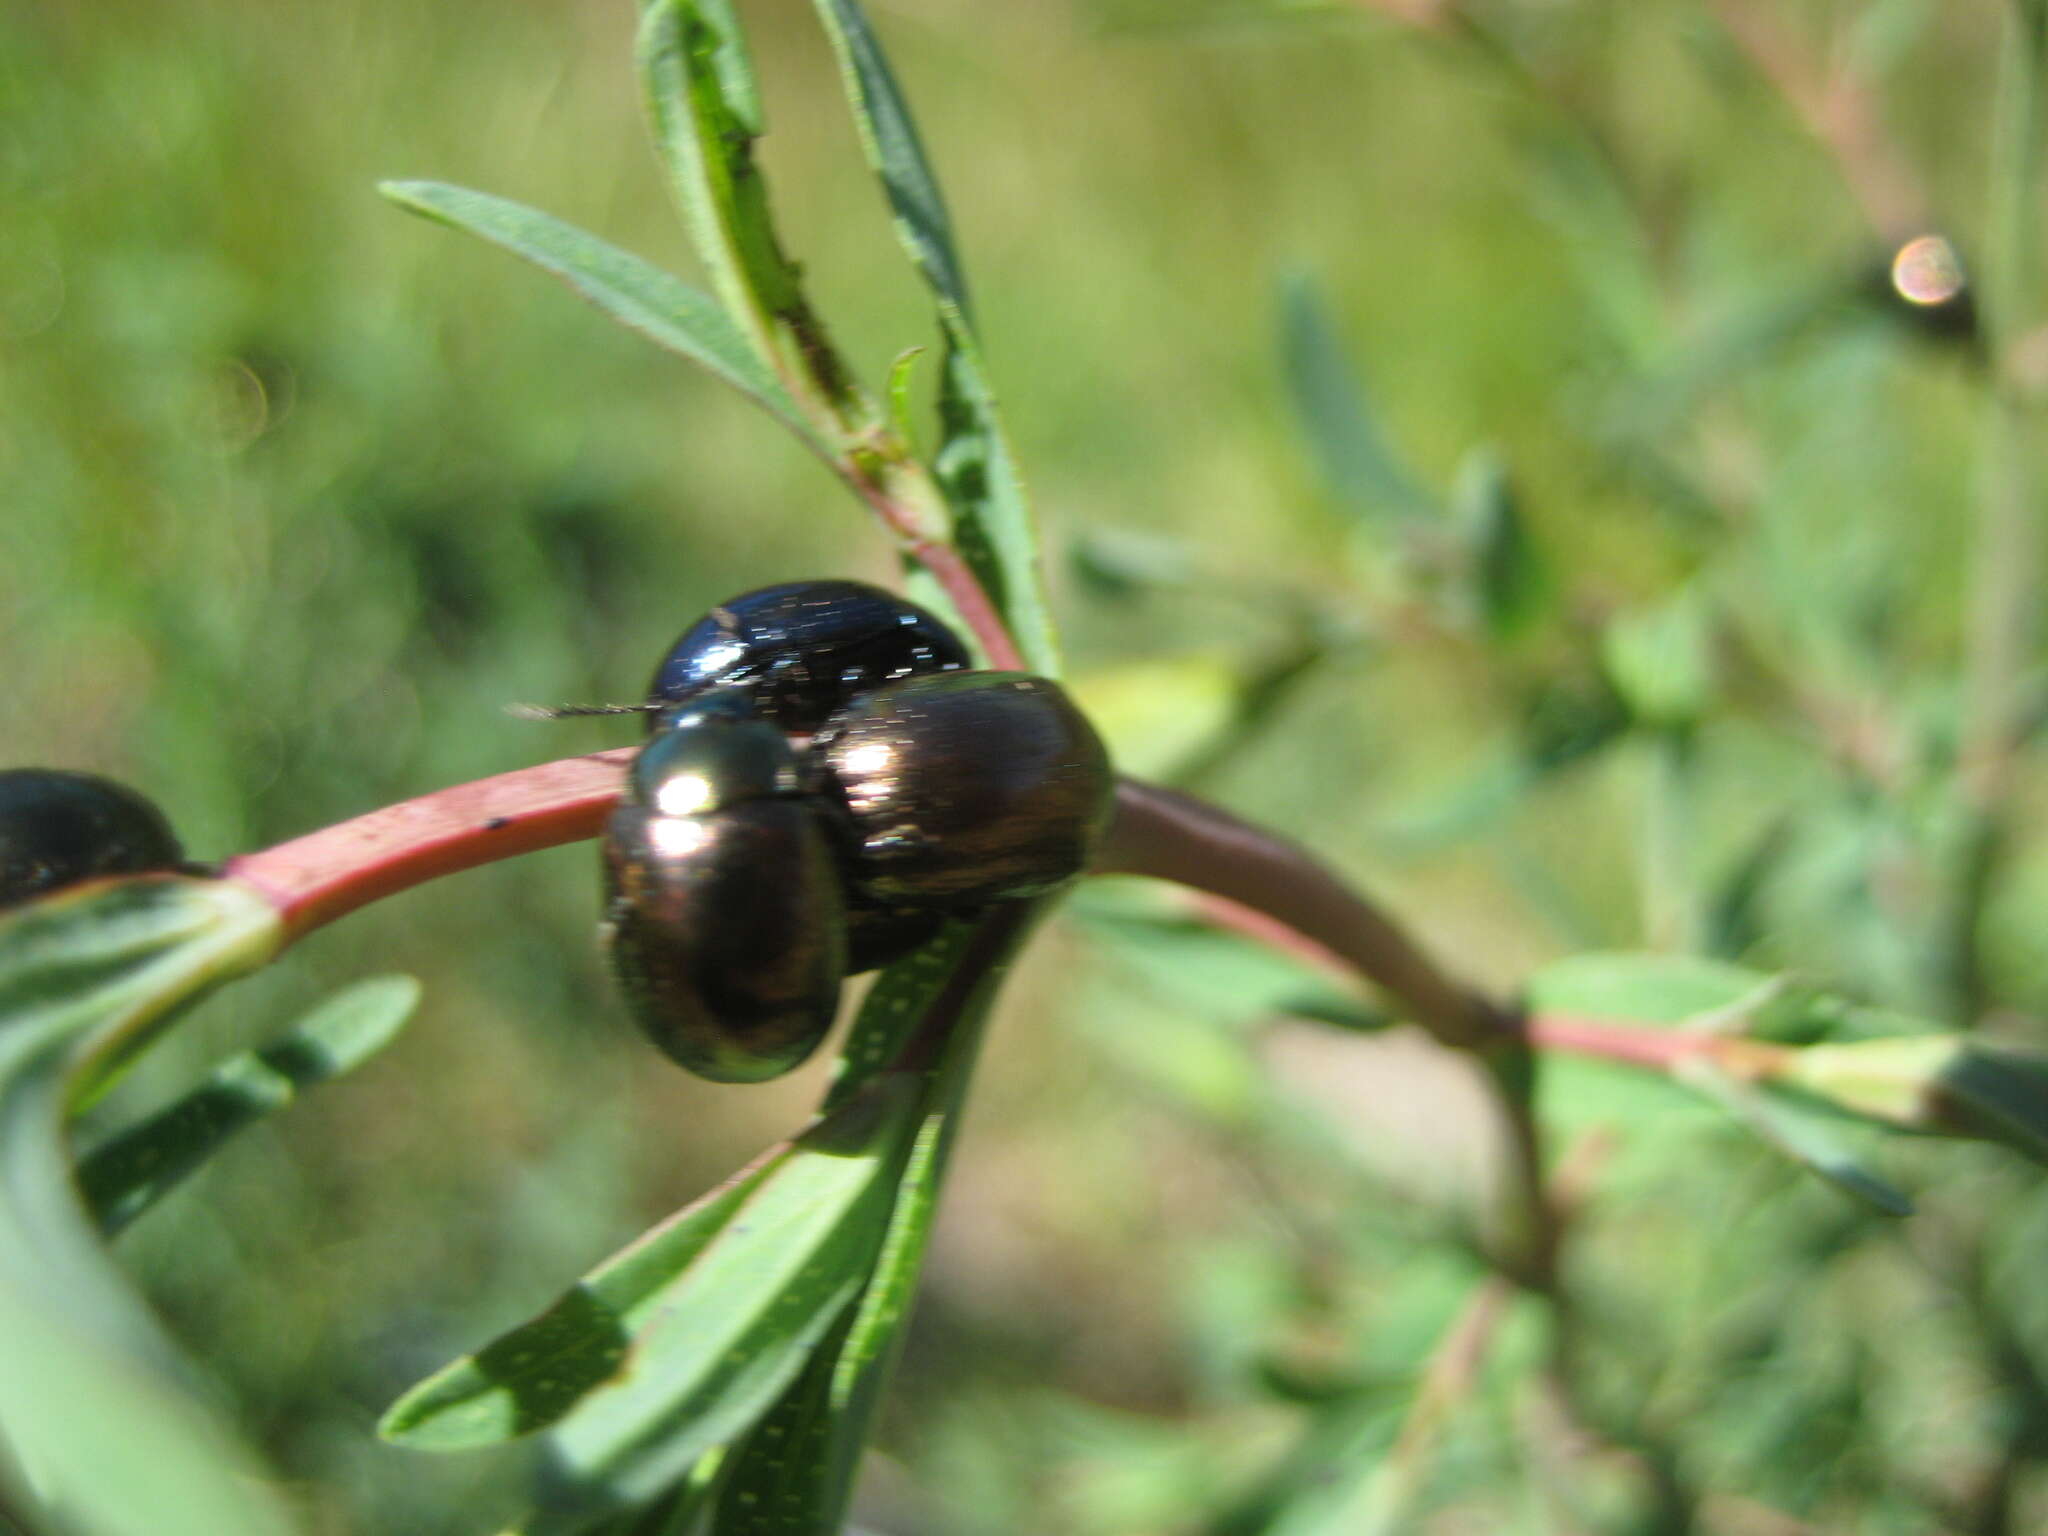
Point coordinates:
[(724, 908), (801, 649), (964, 788), (58, 828), (745, 874)]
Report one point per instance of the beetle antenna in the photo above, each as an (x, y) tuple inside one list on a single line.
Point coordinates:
[(571, 711)]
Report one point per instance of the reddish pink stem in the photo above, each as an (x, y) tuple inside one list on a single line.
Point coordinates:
[(948, 569), (976, 611), (314, 879), (1659, 1049)]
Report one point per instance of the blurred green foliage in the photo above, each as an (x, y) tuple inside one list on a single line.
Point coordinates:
[(300, 493)]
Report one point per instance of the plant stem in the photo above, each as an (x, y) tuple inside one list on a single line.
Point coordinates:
[(313, 880), (1659, 1049), (1252, 882), (1171, 836), (917, 518)]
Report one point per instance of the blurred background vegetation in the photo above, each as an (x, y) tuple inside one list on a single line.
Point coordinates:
[(1480, 440)]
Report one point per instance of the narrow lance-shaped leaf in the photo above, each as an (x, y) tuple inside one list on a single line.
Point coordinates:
[(706, 110), (741, 1322), (1352, 451), (639, 295), (993, 524), (1939, 1085), (1793, 1130), (975, 464), (795, 1472), (129, 1172), (895, 150), (533, 1376), (86, 981), (1660, 659)]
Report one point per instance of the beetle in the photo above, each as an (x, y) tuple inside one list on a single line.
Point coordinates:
[(725, 913), (802, 649), (823, 785), (59, 828), (964, 788)]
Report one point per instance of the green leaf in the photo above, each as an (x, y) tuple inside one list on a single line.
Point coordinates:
[(1794, 1130), (1735, 919), (895, 1009), (129, 1172), (734, 1271), (96, 1405), (1122, 563), (701, 97), (1509, 587), (795, 1471), (1709, 995), (894, 149), (975, 465), (1940, 1085), (678, 1511), (640, 296), (901, 373), (993, 524), (532, 1377), (698, 1354), (1999, 1096), (1357, 462)]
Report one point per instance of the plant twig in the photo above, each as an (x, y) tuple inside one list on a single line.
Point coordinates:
[(313, 880), (1300, 906), (912, 525), (1171, 836)]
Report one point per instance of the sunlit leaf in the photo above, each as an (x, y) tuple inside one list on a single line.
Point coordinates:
[(1156, 713), (640, 296), (96, 1408), (975, 465), (1651, 988), (795, 1471), (705, 106), (894, 149), (659, 1351), (1944, 1085), (739, 1323)]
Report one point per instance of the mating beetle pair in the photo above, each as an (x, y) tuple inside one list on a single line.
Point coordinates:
[(824, 784)]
